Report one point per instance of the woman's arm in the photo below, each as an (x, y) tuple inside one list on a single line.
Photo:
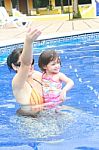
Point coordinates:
[(31, 36), (26, 59)]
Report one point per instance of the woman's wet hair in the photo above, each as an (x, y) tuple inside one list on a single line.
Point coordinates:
[(46, 57), (14, 57)]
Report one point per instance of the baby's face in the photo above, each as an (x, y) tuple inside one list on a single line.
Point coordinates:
[(53, 66)]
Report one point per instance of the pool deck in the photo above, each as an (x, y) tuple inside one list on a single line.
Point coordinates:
[(50, 27)]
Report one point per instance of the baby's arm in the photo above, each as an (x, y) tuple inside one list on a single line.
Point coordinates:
[(69, 84)]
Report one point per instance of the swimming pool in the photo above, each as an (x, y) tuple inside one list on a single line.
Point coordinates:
[(77, 126)]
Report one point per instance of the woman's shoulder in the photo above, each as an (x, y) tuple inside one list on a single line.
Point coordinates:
[(37, 73)]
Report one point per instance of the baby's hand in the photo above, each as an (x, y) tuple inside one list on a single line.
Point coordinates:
[(32, 35), (63, 95)]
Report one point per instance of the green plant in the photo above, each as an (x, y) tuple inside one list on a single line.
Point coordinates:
[(37, 4)]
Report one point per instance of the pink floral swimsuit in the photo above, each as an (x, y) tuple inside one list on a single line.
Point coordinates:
[(51, 89)]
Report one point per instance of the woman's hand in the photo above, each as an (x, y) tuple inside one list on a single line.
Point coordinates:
[(27, 54), (32, 35)]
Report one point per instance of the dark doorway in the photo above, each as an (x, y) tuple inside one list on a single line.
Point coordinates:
[(2, 3), (23, 6)]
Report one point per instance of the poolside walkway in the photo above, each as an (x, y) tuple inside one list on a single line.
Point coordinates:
[(50, 27)]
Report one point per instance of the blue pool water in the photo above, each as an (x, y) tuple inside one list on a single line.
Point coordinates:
[(74, 128)]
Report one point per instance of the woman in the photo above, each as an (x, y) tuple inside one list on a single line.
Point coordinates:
[(26, 84)]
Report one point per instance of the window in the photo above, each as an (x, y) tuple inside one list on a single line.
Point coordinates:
[(65, 2), (40, 3), (84, 2)]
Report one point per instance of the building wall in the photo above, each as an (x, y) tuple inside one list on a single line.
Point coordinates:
[(53, 3), (8, 6), (30, 6), (26, 6)]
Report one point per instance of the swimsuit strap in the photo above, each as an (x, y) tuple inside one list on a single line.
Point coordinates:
[(37, 81), (34, 80)]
